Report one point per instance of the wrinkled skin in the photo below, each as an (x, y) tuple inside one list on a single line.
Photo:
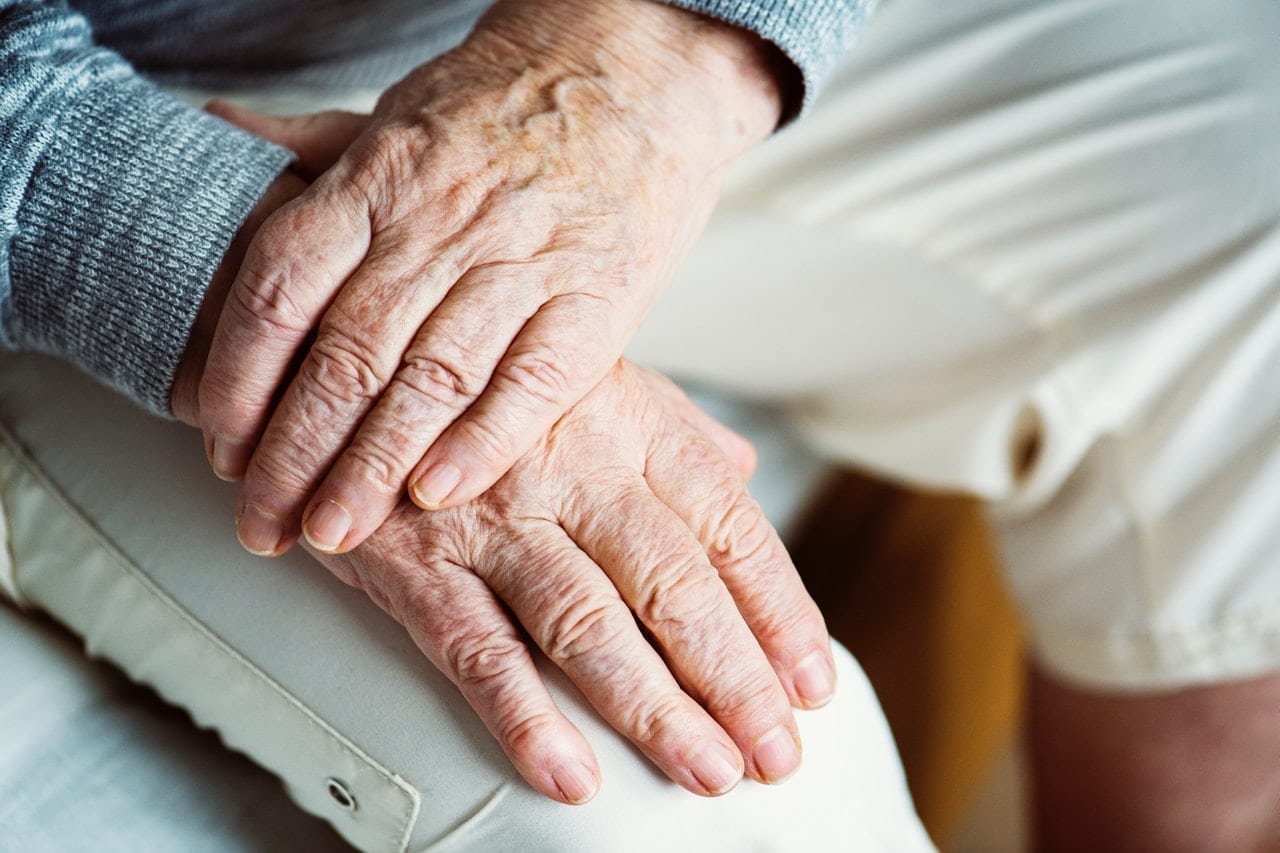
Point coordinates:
[(625, 507), (633, 503), (475, 261)]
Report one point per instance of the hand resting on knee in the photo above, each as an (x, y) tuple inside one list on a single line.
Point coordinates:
[(625, 545)]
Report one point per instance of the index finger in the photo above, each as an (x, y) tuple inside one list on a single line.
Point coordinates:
[(562, 352), (296, 262), (456, 621)]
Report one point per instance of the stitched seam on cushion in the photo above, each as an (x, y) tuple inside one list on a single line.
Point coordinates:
[(30, 467)]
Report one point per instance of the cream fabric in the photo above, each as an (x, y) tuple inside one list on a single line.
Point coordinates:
[(85, 581), (90, 762), (1031, 250)]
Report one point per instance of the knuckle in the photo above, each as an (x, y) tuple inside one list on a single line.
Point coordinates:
[(392, 155), (480, 659), (439, 379), (590, 626), (462, 201), (488, 438), (741, 535), (651, 721), (522, 729), (745, 548), (264, 295), (539, 375), (373, 462), (792, 624), (342, 369), (744, 698), (720, 481), (678, 596), (284, 468)]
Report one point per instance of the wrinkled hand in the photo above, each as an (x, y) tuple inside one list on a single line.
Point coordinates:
[(625, 507), (634, 503), (474, 263)]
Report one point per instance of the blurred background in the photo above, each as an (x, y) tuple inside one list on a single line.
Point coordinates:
[(909, 582)]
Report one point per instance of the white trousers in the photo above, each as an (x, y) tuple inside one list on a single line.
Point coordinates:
[(1026, 249), (1030, 249)]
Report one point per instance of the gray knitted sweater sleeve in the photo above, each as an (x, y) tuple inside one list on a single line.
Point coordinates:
[(117, 203), (813, 34)]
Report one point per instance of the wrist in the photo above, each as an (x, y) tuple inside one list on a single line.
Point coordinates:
[(184, 395), (701, 78)]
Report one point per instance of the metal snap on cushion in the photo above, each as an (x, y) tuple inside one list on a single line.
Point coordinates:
[(341, 794)]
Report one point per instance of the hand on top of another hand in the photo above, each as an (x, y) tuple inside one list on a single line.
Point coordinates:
[(633, 507), (626, 511), (634, 502), (473, 263)]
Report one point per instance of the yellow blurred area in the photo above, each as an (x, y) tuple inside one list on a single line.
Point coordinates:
[(910, 583)]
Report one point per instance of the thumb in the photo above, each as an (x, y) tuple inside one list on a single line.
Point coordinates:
[(317, 138)]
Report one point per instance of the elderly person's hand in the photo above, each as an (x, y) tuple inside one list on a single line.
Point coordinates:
[(632, 507), (475, 262), (625, 511)]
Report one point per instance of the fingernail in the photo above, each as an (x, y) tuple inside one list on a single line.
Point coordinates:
[(259, 531), (716, 768), (229, 459), (577, 784), (328, 525), (776, 755), (434, 487), (814, 680)]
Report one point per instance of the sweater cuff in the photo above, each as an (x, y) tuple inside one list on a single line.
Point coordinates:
[(127, 216), (813, 34)]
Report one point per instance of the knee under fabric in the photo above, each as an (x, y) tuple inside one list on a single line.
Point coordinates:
[(119, 532)]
